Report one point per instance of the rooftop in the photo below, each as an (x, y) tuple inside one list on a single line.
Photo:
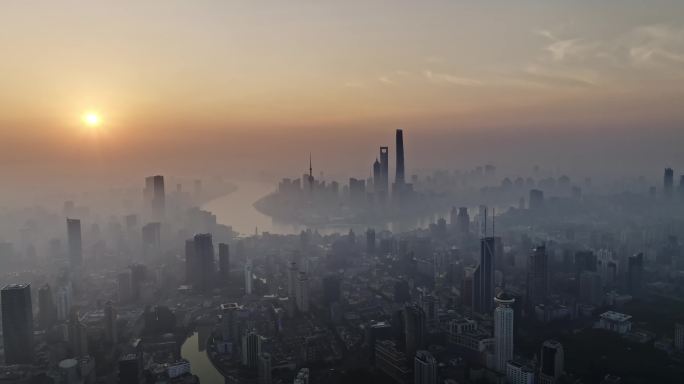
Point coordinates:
[(615, 316), (523, 366), (14, 286), (504, 297)]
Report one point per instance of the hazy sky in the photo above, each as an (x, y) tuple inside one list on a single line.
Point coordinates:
[(255, 85)]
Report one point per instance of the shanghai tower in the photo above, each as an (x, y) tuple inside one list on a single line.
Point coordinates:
[(399, 178)]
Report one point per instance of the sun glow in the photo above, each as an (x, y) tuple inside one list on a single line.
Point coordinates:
[(91, 119)]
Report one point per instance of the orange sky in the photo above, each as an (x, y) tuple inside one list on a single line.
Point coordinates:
[(249, 76)]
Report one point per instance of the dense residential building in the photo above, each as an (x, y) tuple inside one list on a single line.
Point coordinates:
[(518, 372), (391, 361)]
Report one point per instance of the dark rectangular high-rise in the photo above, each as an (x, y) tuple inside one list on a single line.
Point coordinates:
[(414, 329), (47, 314), (399, 177), (224, 261), (668, 182), (536, 199), (75, 244), (537, 277), (484, 301), (17, 324), (159, 197), (635, 273), (377, 176), (384, 171), (151, 239), (584, 261), (155, 196), (463, 221), (204, 262), (370, 241), (191, 266)]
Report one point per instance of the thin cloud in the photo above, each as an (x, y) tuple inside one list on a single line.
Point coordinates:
[(385, 80), (541, 76), (562, 49), (445, 78), (659, 45), (581, 61), (545, 33), (392, 78)]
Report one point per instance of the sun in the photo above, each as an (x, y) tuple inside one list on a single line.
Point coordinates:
[(91, 119)]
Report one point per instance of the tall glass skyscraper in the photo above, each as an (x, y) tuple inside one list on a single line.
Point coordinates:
[(17, 324)]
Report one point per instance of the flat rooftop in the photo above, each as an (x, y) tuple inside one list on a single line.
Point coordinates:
[(615, 316), (15, 286), (228, 306)]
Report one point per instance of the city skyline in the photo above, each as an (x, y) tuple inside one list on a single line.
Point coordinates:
[(383, 191)]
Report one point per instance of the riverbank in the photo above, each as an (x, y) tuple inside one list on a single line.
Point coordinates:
[(237, 210), (339, 216), (200, 364), (216, 192)]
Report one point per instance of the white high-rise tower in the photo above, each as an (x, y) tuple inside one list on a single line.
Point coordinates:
[(503, 330)]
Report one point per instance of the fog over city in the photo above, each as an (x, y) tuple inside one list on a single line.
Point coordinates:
[(452, 192)]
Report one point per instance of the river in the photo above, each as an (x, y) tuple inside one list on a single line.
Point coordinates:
[(195, 352), (236, 209)]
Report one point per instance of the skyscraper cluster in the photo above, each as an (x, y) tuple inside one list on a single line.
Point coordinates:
[(381, 184)]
